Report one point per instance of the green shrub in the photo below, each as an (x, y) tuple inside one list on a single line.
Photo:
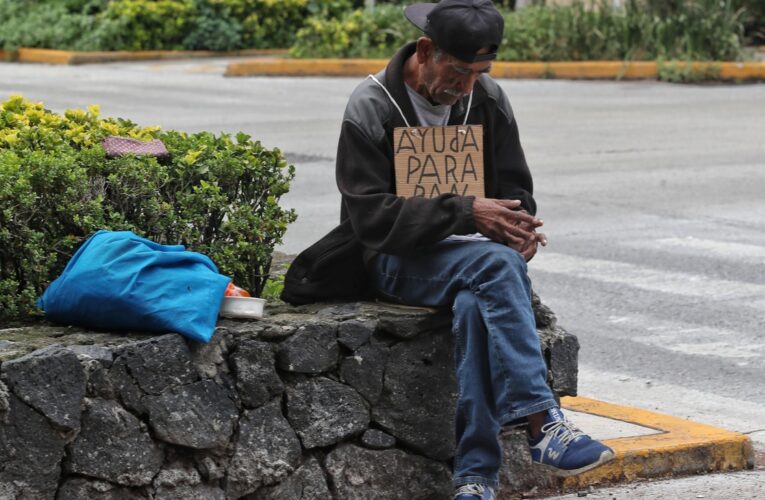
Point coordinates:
[(216, 194), (563, 33), (214, 28), (153, 24), (679, 29), (26, 23), (359, 33), (687, 71), (683, 29)]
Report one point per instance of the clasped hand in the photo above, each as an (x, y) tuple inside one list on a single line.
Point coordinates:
[(500, 221)]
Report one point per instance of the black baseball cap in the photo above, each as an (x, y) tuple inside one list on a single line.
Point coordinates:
[(460, 27)]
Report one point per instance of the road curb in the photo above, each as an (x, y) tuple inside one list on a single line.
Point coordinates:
[(680, 447), (585, 70), (51, 56)]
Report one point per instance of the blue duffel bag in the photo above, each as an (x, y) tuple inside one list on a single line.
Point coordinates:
[(120, 281)]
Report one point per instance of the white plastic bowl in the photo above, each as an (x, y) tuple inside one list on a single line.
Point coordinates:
[(242, 307)]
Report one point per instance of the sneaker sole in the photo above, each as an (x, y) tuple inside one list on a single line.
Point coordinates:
[(604, 458)]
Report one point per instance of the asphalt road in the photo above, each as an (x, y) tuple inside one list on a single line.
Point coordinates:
[(653, 196)]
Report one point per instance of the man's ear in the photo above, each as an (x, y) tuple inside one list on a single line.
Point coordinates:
[(425, 49)]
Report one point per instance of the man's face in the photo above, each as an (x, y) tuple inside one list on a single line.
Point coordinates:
[(446, 79)]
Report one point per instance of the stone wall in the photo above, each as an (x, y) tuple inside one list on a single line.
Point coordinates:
[(347, 401)]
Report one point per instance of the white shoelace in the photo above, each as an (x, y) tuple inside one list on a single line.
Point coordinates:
[(471, 489), (570, 432)]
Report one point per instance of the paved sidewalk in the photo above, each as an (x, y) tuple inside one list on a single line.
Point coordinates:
[(733, 485)]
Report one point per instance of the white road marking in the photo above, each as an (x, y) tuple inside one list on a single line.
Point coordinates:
[(646, 278), (750, 254), (692, 339)]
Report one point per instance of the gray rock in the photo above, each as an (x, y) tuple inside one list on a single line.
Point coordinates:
[(323, 412), (281, 326), (306, 483), (266, 451), (30, 453), (158, 363), (543, 315), (312, 349), (364, 370), (210, 359), (562, 350), (407, 322), (517, 472), (360, 474), (418, 400), (254, 366), (5, 404), (211, 468), (50, 380), (102, 354), (100, 384), (149, 367), (199, 415), (113, 445), (375, 439), (342, 311), (118, 383), (181, 481), (239, 328), (78, 488), (355, 333)]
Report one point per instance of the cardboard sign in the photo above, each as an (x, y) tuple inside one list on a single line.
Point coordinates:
[(430, 161)]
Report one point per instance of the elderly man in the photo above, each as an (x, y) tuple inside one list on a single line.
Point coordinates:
[(464, 252)]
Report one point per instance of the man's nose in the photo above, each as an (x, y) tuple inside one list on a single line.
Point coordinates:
[(466, 85)]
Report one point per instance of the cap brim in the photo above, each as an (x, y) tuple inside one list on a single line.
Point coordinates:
[(418, 14)]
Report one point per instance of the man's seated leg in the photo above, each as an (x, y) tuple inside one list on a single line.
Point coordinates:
[(488, 285)]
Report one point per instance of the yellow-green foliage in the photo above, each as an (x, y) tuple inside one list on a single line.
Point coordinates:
[(215, 194), (356, 34), (152, 24)]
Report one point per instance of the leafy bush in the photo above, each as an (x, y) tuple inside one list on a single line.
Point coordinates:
[(753, 16), (687, 71), (375, 34), (641, 30), (214, 28), (158, 24), (683, 29), (27, 23), (216, 194), (152, 24)]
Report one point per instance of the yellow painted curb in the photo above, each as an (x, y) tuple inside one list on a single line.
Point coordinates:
[(51, 56), (306, 67), (681, 447), (610, 70), (742, 71), (600, 70)]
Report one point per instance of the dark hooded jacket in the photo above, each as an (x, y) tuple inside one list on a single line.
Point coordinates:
[(375, 220)]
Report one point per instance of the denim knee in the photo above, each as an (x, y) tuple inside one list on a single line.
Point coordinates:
[(497, 261)]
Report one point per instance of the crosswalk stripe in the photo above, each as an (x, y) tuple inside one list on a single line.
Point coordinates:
[(646, 278), (686, 338), (739, 252)]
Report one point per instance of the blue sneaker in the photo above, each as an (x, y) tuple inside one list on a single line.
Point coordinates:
[(473, 491), (566, 450)]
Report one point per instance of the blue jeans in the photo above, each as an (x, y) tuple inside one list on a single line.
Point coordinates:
[(501, 374)]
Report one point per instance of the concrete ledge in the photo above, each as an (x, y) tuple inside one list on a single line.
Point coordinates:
[(51, 56), (682, 447), (596, 70)]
